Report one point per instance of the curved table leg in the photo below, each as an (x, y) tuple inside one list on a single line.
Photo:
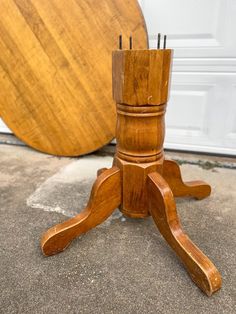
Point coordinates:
[(100, 171), (163, 210), (172, 175), (104, 199)]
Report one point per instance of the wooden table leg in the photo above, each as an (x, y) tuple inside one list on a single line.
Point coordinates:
[(141, 181), (104, 199), (172, 175), (163, 210), (100, 171)]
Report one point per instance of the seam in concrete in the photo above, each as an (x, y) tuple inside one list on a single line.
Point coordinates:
[(207, 165)]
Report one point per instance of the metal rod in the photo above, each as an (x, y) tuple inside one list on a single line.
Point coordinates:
[(158, 41), (120, 42), (164, 44), (130, 42)]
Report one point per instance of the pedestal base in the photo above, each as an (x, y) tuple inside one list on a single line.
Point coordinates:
[(141, 190)]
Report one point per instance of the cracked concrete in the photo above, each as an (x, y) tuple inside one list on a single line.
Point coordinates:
[(123, 265)]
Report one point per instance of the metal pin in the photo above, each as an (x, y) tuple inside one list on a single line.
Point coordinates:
[(158, 41), (164, 45), (120, 42), (130, 42)]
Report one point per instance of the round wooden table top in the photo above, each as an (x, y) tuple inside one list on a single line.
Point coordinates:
[(55, 70)]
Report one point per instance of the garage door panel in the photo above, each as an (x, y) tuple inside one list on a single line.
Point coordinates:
[(195, 28), (197, 112), (201, 110), (230, 136), (187, 107)]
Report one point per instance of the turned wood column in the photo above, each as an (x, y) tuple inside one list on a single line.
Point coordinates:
[(140, 89), (140, 133), (141, 181)]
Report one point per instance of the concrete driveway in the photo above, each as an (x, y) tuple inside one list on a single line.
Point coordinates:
[(123, 265)]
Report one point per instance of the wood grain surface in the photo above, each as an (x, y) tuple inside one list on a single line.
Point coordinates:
[(142, 82), (163, 210), (55, 70), (172, 174), (104, 199), (139, 180)]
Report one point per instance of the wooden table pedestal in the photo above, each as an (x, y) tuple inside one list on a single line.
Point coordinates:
[(141, 182)]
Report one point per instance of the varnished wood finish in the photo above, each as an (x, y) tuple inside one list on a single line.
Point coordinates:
[(134, 177), (140, 88), (134, 123), (172, 175), (143, 173), (163, 210), (100, 171), (141, 77), (55, 70), (105, 198)]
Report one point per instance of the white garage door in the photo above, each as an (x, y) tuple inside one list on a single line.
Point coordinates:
[(3, 127), (201, 114)]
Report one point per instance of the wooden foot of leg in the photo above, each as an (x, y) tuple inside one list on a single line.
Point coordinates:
[(163, 210), (104, 199), (172, 175), (100, 171)]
